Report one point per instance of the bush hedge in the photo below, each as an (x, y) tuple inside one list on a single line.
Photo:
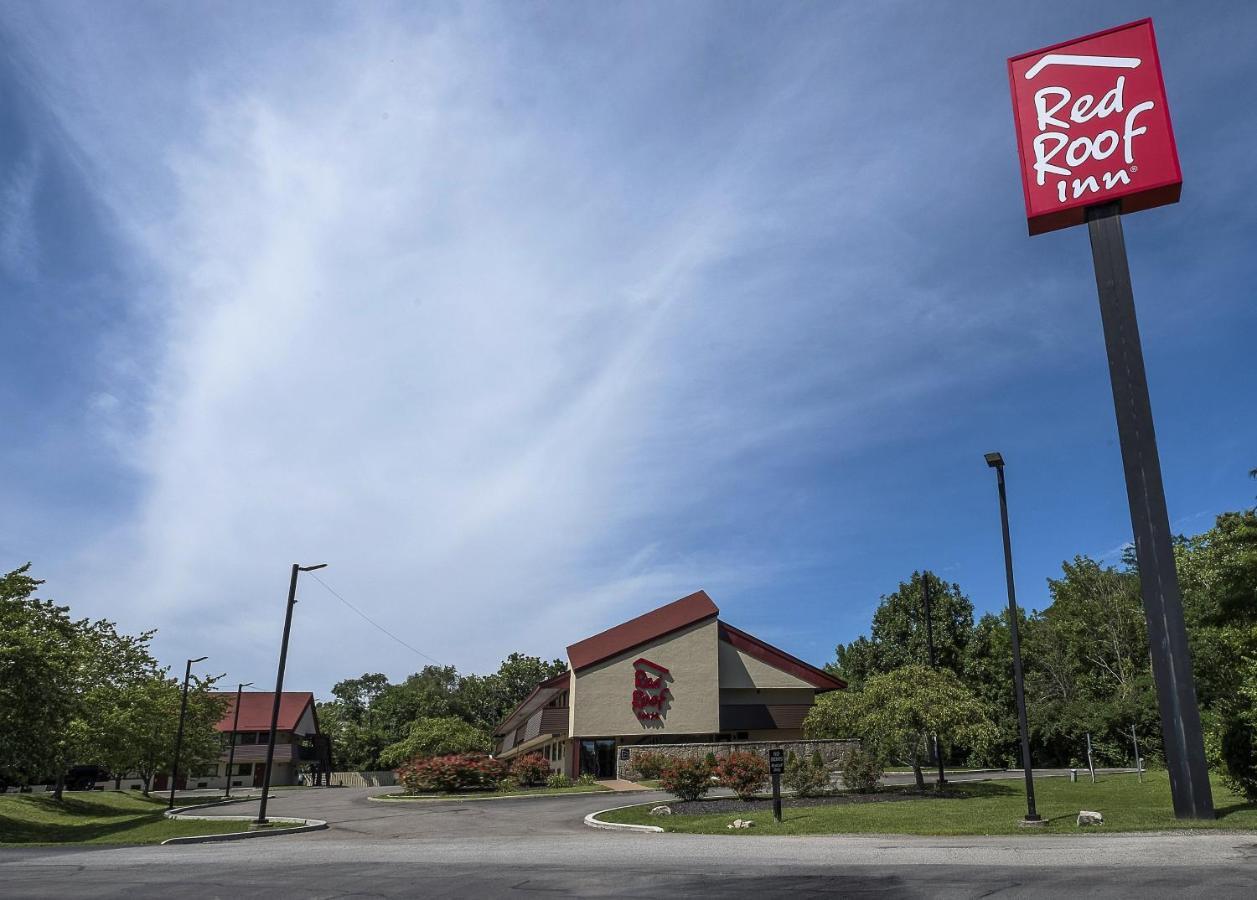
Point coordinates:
[(743, 773), (688, 779), (455, 772), (531, 769)]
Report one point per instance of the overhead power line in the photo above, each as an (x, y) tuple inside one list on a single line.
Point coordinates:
[(372, 621)]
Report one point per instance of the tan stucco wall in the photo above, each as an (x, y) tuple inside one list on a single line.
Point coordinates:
[(740, 670), (601, 696)]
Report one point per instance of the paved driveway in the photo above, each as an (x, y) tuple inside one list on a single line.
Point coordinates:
[(529, 846)]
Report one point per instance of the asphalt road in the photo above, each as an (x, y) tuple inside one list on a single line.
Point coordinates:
[(525, 847)]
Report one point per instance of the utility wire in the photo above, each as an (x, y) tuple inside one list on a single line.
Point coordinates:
[(372, 621)]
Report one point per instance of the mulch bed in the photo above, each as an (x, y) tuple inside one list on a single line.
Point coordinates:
[(734, 805)]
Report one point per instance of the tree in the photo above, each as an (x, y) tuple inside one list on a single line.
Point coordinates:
[(896, 714), (39, 656), (435, 736), (898, 634)]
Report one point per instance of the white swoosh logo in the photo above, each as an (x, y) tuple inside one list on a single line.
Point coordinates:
[(1066, 59)]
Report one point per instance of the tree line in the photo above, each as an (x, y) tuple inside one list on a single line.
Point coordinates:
[(376, 725), (1086, 660), (74, 692)]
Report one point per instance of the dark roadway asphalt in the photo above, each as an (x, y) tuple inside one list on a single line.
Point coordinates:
[(538, 846)]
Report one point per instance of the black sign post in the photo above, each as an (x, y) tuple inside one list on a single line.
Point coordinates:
[(1158, 579), (776, 765)]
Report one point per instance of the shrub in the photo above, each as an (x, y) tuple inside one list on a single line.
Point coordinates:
[(806, 779), (531, 768), (818, 761), (508, 784), (743, 773), (587, 780), (648, 765), (711, 760), (558, 780), (862, 771), (456, 772), (688, 779), (1237, 746)]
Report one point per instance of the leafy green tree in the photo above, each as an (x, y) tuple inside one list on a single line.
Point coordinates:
[(40, 652), (435, 736), (896, 714), (989, 674), (898, 634)]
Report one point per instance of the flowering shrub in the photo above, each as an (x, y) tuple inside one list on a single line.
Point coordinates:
[(688, 779), (456, 772), (742, 772), (558, 780), (587, 780), (648, 765), (531, 768)]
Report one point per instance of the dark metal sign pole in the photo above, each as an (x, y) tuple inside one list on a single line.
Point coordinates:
[(929, 643), (1158, 580)]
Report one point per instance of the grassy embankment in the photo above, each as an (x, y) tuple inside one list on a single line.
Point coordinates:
[(985, 807), (95, 817)]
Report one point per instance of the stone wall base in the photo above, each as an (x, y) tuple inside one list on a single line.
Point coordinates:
[(832, 751)]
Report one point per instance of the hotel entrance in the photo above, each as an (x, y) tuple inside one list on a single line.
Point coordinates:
[(597, 758)]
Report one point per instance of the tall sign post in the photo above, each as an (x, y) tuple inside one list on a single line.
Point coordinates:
[(1095, 142), (776, 766)]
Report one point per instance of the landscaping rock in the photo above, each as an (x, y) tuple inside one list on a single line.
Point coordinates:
[(661, 811), (1089, 817), (742, 823)]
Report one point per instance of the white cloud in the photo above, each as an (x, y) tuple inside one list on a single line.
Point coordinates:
[(483, 349)]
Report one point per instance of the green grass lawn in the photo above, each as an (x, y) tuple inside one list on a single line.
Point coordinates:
[(986, 807), (94, 817), (518, 792)]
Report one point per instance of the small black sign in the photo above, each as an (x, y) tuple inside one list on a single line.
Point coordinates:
[(776, 762), (624, 754)]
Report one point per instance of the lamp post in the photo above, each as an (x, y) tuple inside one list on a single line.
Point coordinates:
[(183, 711), (996, 462), (929, 644), (279, 684), (235, 726)]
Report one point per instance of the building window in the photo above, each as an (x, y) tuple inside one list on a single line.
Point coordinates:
[(244, 768)]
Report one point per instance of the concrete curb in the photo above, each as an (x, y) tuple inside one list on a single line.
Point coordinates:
[(298, 825), (397, 798), (305, 825), (593, 821)]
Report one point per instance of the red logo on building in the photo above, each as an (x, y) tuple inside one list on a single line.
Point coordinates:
[(650, 693), (1093, 127)]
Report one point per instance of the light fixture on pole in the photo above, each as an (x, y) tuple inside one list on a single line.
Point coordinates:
[(996, 462), (235, 726), (183, 711), (279, 684)]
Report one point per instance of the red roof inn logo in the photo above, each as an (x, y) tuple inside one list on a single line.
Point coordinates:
[(1093, 127), (650, 694)]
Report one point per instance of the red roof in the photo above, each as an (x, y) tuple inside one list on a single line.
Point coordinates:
[(651, 626), (256, 707), (780, 659)]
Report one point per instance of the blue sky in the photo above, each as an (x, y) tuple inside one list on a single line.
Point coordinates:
[(529, 317)]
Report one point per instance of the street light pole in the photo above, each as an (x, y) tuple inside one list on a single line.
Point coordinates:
[(235, 726), (183, 711), (929, 643), (996, 462), (279, 684)]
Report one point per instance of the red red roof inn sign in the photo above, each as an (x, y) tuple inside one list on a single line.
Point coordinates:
[(1093, 126), (1094, 142)]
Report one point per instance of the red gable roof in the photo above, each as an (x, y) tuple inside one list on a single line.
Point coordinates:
[(651, 626), (256, 706), (780, 659)]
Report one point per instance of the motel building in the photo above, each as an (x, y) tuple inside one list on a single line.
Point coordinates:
[(299, 745), (676, 675)]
